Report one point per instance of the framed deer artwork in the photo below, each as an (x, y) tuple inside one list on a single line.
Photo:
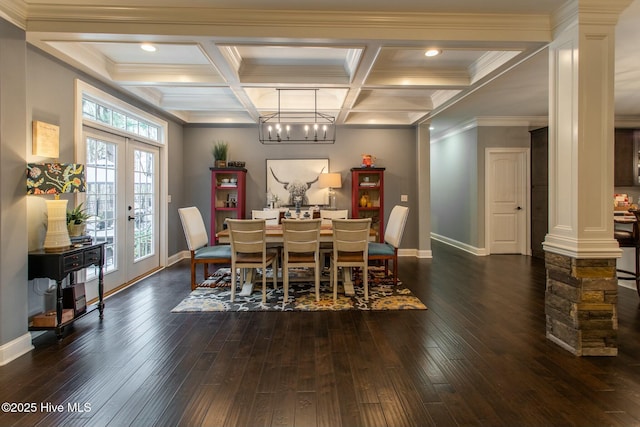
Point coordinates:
[(296, 180)]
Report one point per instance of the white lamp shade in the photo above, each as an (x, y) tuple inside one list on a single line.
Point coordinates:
[(330, 180)]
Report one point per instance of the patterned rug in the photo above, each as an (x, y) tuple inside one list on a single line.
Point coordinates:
[(214, 295)]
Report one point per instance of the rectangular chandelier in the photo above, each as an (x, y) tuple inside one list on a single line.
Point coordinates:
[(297, 126)]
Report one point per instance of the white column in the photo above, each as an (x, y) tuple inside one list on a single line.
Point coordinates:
[(423, 156), (581, 123)]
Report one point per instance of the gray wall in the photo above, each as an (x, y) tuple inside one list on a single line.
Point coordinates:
[(395, 149), (50, 97), (13, 225), (457, 180), (454, 187)]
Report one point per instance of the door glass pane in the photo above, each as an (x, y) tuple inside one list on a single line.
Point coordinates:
[(101, 202), (144, 198)]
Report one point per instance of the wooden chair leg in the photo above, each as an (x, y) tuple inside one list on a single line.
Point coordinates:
[(264, 284), (638, 270), (193, 275), (285, 285), (365, 280), (395, 270)]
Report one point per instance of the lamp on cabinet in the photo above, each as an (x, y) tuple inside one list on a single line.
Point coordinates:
[(330, 181), (55, 179)]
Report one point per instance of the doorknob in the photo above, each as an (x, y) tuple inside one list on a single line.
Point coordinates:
[(518, 208)]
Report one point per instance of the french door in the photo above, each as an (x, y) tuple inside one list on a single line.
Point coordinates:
[(122, 199)]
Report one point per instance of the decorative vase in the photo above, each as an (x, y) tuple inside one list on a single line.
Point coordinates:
[(368, 160), (221, 163), (364, 200), (76, 230)]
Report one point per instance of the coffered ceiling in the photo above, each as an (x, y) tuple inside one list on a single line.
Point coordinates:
[(221, 62)]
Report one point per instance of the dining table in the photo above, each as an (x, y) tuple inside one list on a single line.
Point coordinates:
[(275, 238)]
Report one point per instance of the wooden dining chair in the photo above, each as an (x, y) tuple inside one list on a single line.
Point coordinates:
[(388, 250), (350, 249), (271, 216), (327, 215), (301, 249), (198, 243), (249, 250), (630, 239)]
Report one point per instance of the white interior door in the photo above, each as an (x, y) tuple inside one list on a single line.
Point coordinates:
[(120, 174), (507, 200)]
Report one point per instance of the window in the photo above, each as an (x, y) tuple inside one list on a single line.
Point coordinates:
[(123, 121)]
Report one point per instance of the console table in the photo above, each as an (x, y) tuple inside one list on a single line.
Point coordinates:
[(57, 265)]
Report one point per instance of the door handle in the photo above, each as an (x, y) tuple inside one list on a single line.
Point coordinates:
[(130, 218), (518, 208)]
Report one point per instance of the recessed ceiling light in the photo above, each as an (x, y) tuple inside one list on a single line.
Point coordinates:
[(148, 47), (432, 52)]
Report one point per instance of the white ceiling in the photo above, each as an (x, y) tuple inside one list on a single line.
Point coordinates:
[(223, 63)]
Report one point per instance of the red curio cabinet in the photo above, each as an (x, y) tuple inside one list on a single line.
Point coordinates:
[(367, 197), (228, 197)]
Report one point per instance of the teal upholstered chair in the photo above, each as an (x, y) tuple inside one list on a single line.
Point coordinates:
[(392, 237), (198, 240)]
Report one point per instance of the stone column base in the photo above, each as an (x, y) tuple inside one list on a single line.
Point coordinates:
[(580, 304)]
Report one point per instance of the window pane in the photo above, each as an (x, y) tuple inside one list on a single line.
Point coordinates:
[(119, 120), (104, 114), (132, 125), (101, 198), (88, 109)]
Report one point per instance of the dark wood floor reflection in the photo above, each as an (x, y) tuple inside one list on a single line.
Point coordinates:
[(478, 356)]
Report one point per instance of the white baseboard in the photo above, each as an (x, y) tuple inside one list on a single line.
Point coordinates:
[(177, 258), (425, 254), (463, 246), (16, 348), (415, 253), (629, 284)]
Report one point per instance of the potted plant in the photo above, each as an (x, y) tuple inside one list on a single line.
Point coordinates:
[(220, 150), (76, 221)]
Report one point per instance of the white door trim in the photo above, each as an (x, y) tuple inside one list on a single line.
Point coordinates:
[(489, 151)]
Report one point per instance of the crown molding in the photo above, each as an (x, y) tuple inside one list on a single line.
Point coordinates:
[(489, 62), (498, 121), (589, 12), (14, 11), (283, 23)]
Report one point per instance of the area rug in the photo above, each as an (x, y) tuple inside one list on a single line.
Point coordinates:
[(214, 295)]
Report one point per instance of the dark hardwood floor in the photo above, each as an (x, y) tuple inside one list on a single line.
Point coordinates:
[(477, 356)]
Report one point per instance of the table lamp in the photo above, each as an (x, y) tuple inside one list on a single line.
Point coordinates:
[(330, 181), (55, 179)]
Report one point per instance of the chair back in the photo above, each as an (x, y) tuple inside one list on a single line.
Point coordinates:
[(194, 229), (327, 215), (301, 236), (272, 216), (351, 235), (395, 226), (247, 236)]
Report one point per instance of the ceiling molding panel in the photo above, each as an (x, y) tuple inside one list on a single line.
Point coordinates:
[(165, 73)]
